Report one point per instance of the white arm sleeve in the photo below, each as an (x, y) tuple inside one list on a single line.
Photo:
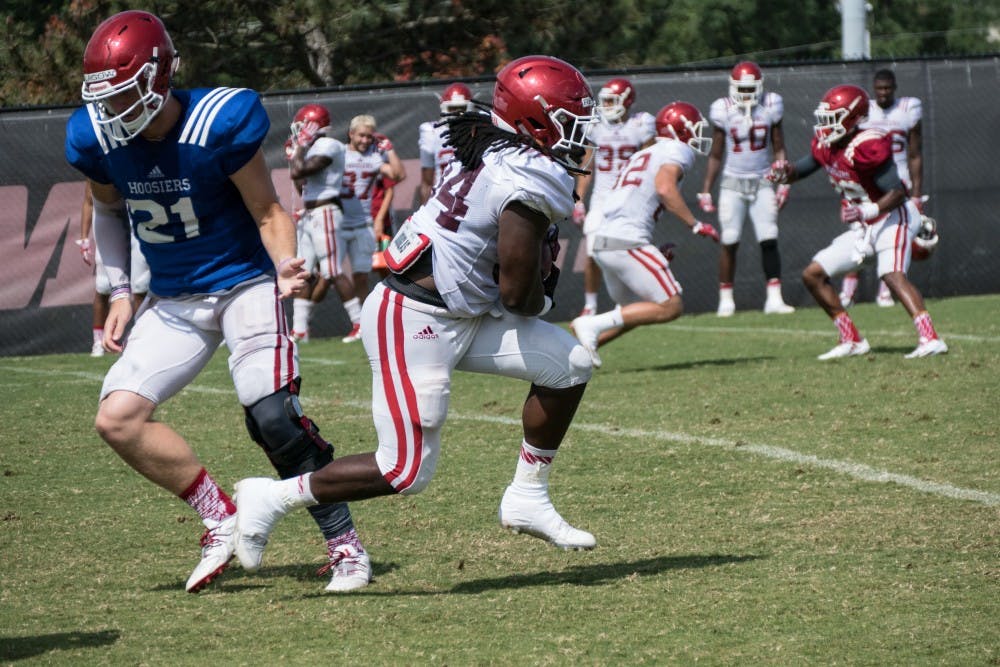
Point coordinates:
[(113, 237)]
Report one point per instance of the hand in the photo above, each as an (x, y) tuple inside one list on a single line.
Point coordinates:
[(291, 276), (307, 133), (705, 229), (579, 213), (781, 172), (668, 250), (781, 195), (382, 143), (119, 315), (858, 212), (289, 148), (85, 253), (705, 202)]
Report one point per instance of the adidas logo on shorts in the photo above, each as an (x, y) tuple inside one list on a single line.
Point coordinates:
[(426, 334)]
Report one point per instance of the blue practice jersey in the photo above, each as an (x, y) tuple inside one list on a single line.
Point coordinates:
[(194, 230)]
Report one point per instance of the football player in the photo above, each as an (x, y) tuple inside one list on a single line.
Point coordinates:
[(747, 123), (369, 157), (615, 139), (435, 154), (472, 271), (900, 118), (187, 166), (636, 272), (882, 222), (316, 166)]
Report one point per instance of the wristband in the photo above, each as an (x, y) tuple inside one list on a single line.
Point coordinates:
[(869, 210), (118, 292), (282, 263)]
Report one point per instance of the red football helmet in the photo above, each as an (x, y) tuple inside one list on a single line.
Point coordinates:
[(926, 240), (130, 60), (839, 113), (615, 98), (456, 98), (310, 112), (682, 121), (548, 100), (746, 84)]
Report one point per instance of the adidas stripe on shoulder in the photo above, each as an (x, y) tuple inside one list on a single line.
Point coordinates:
[(198, 126)]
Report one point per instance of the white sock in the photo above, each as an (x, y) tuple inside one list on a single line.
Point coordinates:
[(301, 310), (353, 308), (590, 300), (295, 491), (611, 319), (774, 289), (726, 294), (533, 467), (98, 335)]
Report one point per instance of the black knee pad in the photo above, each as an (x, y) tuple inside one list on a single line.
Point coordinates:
[(289, 438), (770, 258)]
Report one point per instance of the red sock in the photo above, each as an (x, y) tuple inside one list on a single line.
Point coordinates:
[(925, 328), (848, 332), (208, 499)]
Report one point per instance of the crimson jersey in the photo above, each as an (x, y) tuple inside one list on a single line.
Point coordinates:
[(852, 166)]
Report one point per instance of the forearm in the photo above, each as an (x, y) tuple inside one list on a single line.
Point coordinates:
[(114, 242), (277, 232)]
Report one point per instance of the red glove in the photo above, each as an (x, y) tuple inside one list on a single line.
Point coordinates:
[(781, 171), (781, 195), (307, 133), (289, 148), (705, 202), (382, 143), (858, 212), (579, 213), (705, 229), (86, 254)]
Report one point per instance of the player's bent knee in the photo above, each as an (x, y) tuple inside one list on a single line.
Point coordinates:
[(289, 438)]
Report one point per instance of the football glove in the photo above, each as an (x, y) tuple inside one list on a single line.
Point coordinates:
[(781, 171), (307, 133), (552, 240), (382, 143), (858, 212), (705, 202), (705, 229), (85, 250), (781, 195), (579, 213)]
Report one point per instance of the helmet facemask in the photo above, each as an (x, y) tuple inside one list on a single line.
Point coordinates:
[(746, 93), (829, 127), (699, 141), (573, 144), (126, 124), (612, 104)]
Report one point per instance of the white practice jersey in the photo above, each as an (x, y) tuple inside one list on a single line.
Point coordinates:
[(615, 144), (896, 121), (361, 170), (632, 208), (433, 153), (462, 220), (325, 184), (748, 150)]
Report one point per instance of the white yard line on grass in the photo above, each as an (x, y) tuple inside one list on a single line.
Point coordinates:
[(827, 333), (855, 470)]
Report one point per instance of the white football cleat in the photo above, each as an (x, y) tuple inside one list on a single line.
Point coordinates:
[(97, 349), (928, 348), (726, 308), (300, 336), (533, 514), (217, 546), (258, 510), (585, 332), (355, 334), (845, 300), (885, 300), (351, 568), (777, 307), (848, 349)]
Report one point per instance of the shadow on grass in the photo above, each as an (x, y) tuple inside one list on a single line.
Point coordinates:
[(700, 363), (599, 573), (19, 648), (236, 578)]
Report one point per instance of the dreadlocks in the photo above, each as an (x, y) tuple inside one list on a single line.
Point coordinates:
[(473, 134)]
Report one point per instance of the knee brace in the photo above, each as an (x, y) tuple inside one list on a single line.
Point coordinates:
[(770, 259), (289, 438)]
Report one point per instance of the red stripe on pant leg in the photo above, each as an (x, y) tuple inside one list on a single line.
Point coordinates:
[(389, 389), (409, 394), (651, 263), (276, 380), (330, 236), (900, 245)]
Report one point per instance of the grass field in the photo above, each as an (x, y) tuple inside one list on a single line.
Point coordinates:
[(752, 506)]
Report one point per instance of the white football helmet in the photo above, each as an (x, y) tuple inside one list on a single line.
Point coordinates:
[(926, 239), (615, 98), (746, 85)]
